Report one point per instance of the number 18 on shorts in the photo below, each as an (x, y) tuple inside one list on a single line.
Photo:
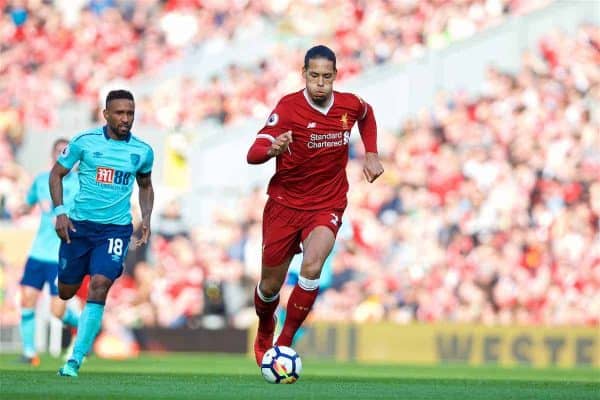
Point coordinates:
[(94, 249)]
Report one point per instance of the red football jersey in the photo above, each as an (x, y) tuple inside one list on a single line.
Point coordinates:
[(311, 175)]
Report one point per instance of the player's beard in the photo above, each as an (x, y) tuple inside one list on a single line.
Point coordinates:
[(320, 99), (122, 130)]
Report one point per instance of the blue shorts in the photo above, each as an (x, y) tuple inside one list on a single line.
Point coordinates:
[(39, 272), (95, 249)]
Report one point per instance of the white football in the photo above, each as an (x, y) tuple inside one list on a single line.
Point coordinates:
[(281, 364)]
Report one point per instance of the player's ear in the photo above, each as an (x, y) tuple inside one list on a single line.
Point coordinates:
[(105, 113), (304, 72)]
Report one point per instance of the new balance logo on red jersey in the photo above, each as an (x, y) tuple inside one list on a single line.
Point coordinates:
[(335, 219), (311, 125)]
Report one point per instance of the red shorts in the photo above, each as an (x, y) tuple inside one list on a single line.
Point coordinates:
[(285, 228)]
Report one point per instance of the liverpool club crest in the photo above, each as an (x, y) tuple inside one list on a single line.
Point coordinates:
[(344, 121)]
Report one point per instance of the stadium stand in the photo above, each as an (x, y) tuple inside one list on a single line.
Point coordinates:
[(490, 208), (489, 214), (45, 48)]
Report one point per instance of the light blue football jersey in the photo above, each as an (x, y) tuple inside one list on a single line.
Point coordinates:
[(107, 172), (46, 242)]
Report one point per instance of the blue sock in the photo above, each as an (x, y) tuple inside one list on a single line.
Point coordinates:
[(87, 329), (70, 318), (28, 331)]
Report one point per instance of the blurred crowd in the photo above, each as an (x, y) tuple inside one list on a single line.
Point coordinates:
[(56, 52), (491, 212), (13, 177), (488, 212), (53, 52), (363, 33)]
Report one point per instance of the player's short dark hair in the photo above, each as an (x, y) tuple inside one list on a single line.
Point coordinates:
[(319, 51), (118, 94)]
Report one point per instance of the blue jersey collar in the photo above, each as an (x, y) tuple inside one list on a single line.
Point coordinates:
[(105, 130)]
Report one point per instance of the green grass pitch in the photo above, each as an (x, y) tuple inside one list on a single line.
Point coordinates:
[(204, 376)]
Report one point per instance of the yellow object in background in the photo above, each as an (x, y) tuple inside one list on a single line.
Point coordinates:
[(15, 244), (177, 171), (432, 344)]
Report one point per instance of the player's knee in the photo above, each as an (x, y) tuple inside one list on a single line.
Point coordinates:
[(28, 301), (29, 296), (57, 311), (98, 289), (311, 267), (269, 288), (98, 293)]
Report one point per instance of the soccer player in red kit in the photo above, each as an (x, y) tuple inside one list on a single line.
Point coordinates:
[(308, 133)]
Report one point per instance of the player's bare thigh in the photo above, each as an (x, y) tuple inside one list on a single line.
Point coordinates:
[(316, 247)]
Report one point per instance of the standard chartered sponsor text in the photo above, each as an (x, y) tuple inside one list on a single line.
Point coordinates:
[(333, 139)]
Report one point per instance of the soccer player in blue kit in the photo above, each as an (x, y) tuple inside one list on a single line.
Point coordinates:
[(42, 264), (95, 234)]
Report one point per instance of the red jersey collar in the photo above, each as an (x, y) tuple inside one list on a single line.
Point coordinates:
[(322, 110)]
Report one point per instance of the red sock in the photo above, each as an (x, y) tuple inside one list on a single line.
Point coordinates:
[(299, 305), (265, 312)]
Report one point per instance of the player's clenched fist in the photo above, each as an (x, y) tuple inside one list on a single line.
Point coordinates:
[(372, 168), (280, 144)]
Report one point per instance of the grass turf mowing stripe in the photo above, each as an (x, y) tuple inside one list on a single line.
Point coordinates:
[(175, 376)]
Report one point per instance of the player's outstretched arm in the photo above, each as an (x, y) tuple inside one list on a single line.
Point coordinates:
[(63, 224), (146, 199)]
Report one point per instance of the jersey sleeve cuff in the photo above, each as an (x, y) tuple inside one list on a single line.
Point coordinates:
[(62, 163), (265, 136)]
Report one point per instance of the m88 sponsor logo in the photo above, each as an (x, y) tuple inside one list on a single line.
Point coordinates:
[(108, 175)]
